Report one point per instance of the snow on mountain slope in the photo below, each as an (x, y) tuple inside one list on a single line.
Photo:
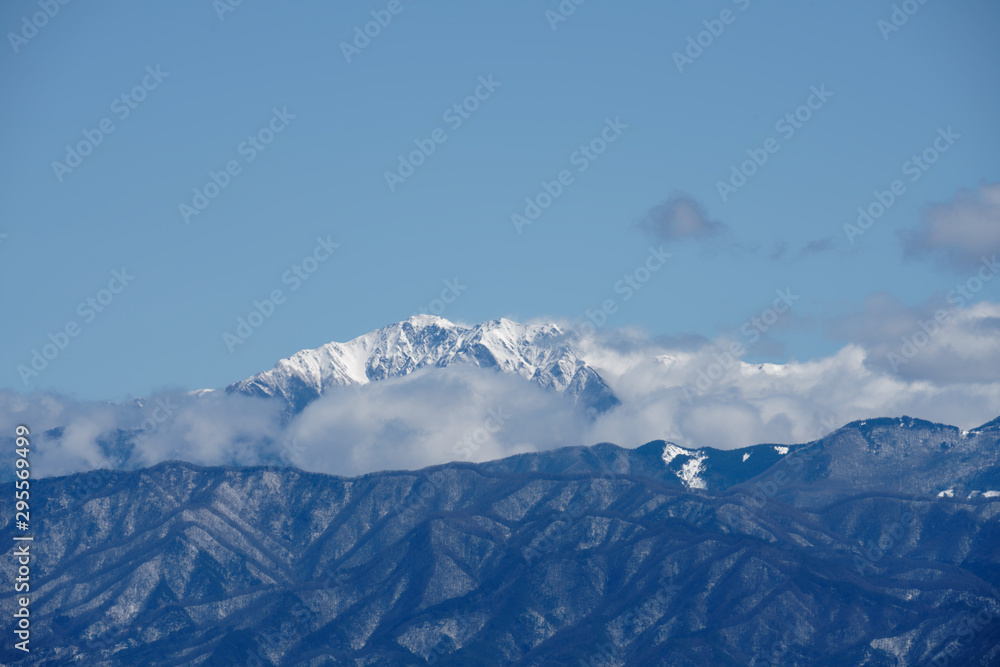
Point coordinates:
[(536, 352)]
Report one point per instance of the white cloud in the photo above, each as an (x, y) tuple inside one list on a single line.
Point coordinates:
[(680, 217), (71, 436), (700, 397), (937, 343), (214, 429), (433, 416), (961, 231), (681, 389)]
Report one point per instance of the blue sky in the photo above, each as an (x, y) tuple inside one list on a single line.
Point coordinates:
[(323, 175)]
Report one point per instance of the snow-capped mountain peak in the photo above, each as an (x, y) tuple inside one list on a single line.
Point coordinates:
[(540, 353), (421, 320)]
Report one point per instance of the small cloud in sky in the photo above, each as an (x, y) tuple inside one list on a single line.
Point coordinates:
[(817, 247), (779, 250), (681, 218), (959, 232)]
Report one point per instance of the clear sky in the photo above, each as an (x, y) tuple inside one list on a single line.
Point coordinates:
[(199, 82)]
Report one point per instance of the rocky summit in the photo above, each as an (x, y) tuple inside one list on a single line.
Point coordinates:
[(538, 352)]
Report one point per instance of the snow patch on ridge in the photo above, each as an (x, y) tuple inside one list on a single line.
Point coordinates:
[(691, 470), (672, 451)]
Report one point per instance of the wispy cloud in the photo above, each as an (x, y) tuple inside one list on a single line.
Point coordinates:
[(934, 342), (817, 247), (680, 218), (457, 413), (683, 218), (959, 232), (686, 389)]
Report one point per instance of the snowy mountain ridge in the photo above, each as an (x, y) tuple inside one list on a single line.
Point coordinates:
[(875, 545), (536, 352)]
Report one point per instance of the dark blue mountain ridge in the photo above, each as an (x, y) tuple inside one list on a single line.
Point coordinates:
[(878, 544)]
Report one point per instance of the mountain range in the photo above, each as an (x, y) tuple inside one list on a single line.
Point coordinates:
[(875, 545)]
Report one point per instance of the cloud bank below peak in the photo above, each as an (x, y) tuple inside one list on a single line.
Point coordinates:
[(686, 389)]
